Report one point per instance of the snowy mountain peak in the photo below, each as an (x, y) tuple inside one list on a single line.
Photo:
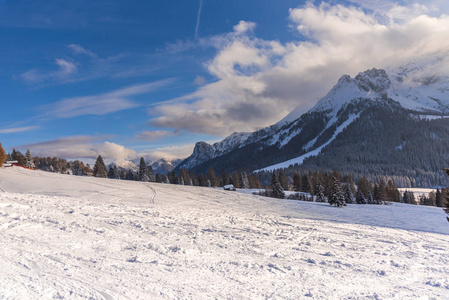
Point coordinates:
[(375, 80), (413, 87), (204, 151)]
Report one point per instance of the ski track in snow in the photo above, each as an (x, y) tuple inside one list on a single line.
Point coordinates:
[(69, 237)]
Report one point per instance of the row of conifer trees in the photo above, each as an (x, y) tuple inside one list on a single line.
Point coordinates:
[(324, 186)]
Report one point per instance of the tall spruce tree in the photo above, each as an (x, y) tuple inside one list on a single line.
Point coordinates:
[(306, 186), (336, 196), (150, 173), (439, 198), (319, 192), (276, 188), (143, 171), (113, 172), (29, 163), (360, 198), (349, 195), (100, 168)]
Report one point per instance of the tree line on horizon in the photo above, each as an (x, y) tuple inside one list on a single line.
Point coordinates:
[(318, 185)]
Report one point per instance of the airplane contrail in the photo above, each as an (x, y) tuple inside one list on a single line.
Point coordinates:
[(198, 19)]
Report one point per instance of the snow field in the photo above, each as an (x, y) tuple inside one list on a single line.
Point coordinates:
[(71, 237)]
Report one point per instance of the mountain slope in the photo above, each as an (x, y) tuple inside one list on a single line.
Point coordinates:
[(411, 93)]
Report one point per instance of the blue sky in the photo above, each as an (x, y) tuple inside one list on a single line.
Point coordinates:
[(150, 78)]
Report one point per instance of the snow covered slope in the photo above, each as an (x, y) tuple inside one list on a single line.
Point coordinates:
[(71, 237)]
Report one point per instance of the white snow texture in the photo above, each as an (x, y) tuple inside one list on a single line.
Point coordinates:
[(70, 237)]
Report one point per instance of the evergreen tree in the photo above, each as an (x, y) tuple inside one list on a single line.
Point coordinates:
[(306, 187), (244, 182), (431, 199), (129, 175), (100, 168), (2, 155), (283, 181), (276, 189), (336, 197), (319, 192), (439, 198), (29, 160), (412, 198), (370, 198), (360, 198), (172, 178), (17, 155), (150, 173), (143, 171), (349, 195), (409, 198), (296, 182), (228, 179), (113, 172), (158, 178), (423, 200)]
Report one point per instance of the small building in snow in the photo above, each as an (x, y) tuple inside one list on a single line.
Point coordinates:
[(229, 187), (10, 163)]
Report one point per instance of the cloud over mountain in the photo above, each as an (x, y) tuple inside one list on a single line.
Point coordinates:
[(257, 82)]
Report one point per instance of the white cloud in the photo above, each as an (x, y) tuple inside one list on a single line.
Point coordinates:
[(65, 70), (169, 153), (18, 129), (199, 80), (258, 82), (78, 49), (244, 27), (151, 136), (87, 148), (78, 147), (99, 104)]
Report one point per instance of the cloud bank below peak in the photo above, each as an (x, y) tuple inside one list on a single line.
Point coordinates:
[(258, 82)]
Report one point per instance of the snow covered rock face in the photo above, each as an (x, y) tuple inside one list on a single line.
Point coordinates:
[(204, 152), (70, 237)]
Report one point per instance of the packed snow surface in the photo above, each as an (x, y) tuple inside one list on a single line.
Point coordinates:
[(70, 237)]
